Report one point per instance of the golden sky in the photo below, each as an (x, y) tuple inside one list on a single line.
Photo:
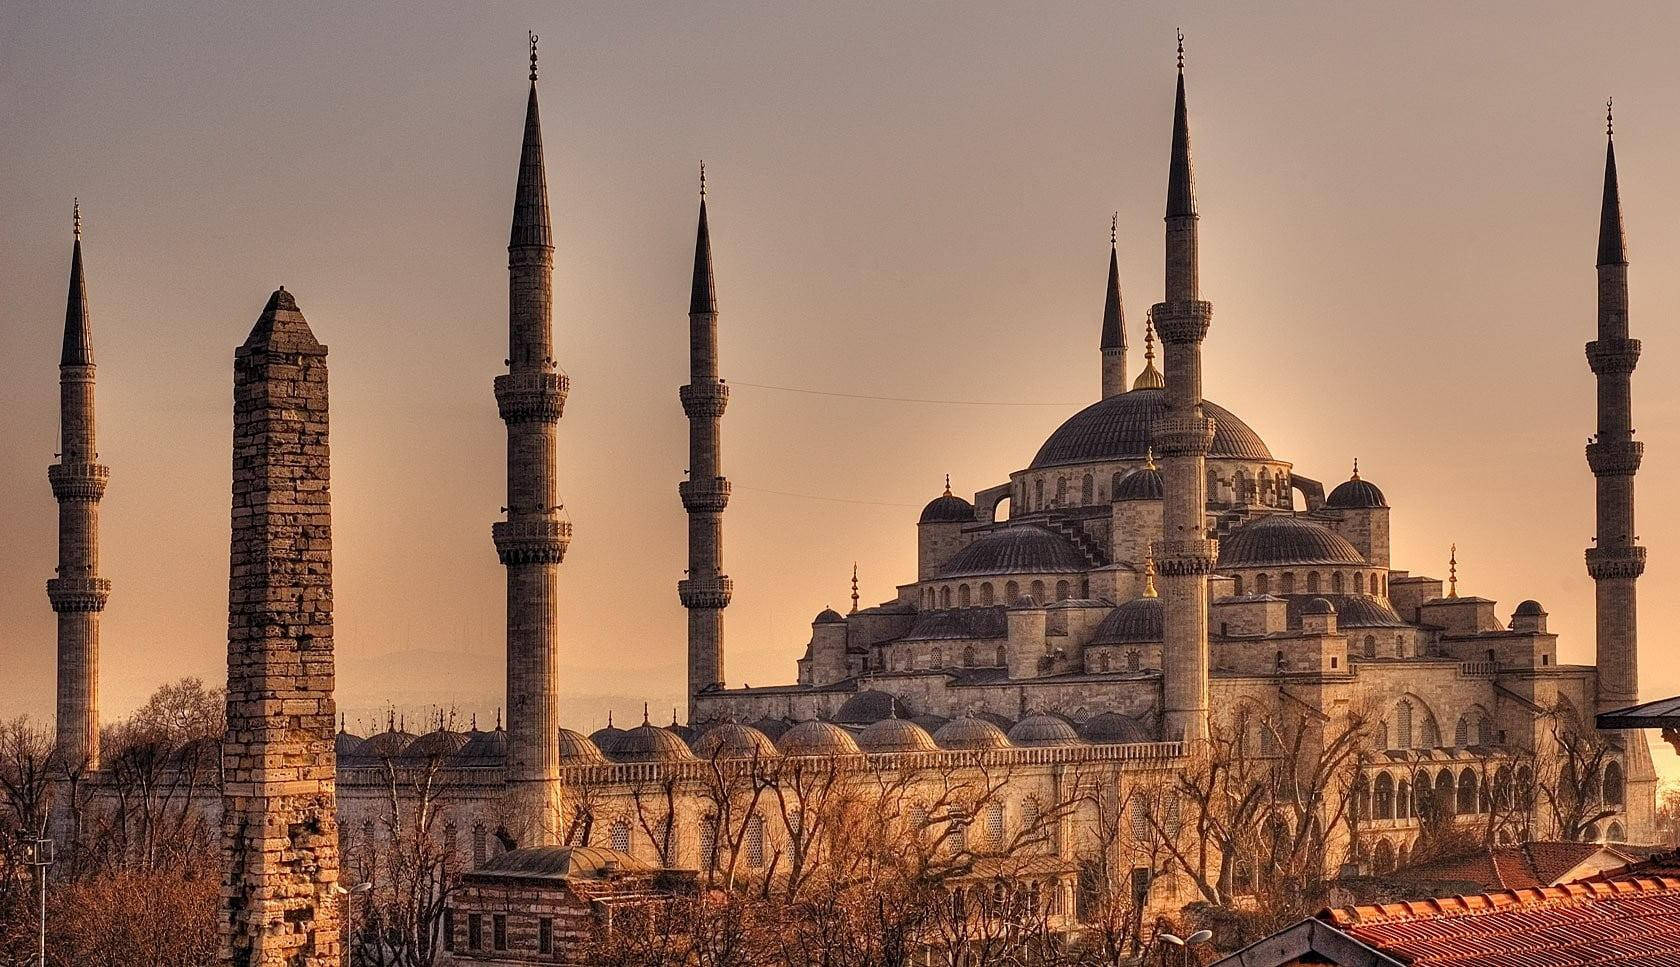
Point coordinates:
[(1399, 214)]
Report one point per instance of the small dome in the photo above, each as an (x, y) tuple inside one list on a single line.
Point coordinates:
[(1355, 494), (1530, 609), (387, 745), (1319, 606), (828, 616), (947, 509), (1041, 730), (1017, 549), (606, 738), (576, 749), (732, 740), (773, 727), (1144, 483), (1113, 728), (436, 745), (970, 733), (1025, 602), (871, 706), (896, 735), (1279, 539), (484, 745), (1359, 611), (817, 737), (1137, 621), (648, 743), (347, 746)]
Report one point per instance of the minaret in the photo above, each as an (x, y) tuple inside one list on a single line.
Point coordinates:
[(1114, 321), (1616, 560), (532, 541), (78, 593), (705, 591), (1185, 555)]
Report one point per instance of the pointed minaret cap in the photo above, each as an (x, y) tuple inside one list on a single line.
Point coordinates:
[(1181, 176), (703, 298), (281, 327), (1114, 312), (530, 198), (78, 327), (1612, 242)]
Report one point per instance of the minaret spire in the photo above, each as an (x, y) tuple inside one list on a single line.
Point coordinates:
[(78, 594), (706, 590), (1186, 555), (1114, 321), (532, 541)]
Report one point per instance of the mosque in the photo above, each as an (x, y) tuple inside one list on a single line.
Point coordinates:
[(1153, 570)]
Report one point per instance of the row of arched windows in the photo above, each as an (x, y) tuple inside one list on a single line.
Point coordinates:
[(1242, 487), (1312, 582), (971, 657), (984, 594), (1133, 662), (1464, 793)]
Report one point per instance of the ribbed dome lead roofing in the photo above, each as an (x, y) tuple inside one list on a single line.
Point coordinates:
[(1138, 620), (1118, 428), (1017, 549), (1280, 539)]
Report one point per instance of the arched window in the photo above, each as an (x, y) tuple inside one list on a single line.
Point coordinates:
[(1061, 491), (1502, 788), (450, 836), (1614, 834), (1061, 590), (1012, 592), (1467, 791), (1213, 486), (1358, 582), (1399, 646), (1370, 646), (1262, 584), (1266, 496), (1431, 733), (1403, 725), (478, 842), (1336, 582), (945, 597), (1002, 656), (618, 835), (1312, 582), (1237, 584), (938, 657), (962, 596), (1287, 580), (1382, 806), (755, 841), (1088, 490), (1243, 487), (1613, 786), (1444, 797), (968, 657), (986, 594), (1403, 800), (1038, 591), (994, 820), (1461, 734), (1102, 662), (1038, 494), (1133, 661), (1382, 857), (708, 842), (1114, 483)]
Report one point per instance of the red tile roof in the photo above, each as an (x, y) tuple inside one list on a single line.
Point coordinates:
[(1635, 921), (1517, 867)]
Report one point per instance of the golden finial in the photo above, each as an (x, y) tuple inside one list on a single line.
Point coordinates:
[(1149, 457), (854, 588), (702, 180), (76, 217), (1181, 50), (947, 485), (533, 55), (645, 714), (1610, 118), (1114, 230), (1149, 571), (1355, 468), (1452, 573), (1150, 377)]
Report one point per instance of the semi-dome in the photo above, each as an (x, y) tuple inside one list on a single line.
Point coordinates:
[(871, 705), (732, 740), (1318, 606), (828, 616), (1017, 549), (817, 737), (970, 733), (436, 744), (1118, 428), (1042, 730), (648, 743), (1355, 494), (1113, 728), (1138, 620), (947, 508), (484, 746), (576, 749), (1284, 539), (896, 735), (1530, 609), (1144, 483), (1365, 611)]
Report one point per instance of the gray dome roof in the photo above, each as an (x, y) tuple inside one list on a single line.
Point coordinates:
[(817, 737), (1353, 610), (1118, 428), (828, 616), (605, 738), (1530, 608), (1355, 494), (1040, 730), (576, 749), (1144, 483), (982, 623), (1112, 728), (1017, 549), (871, 705), (648, 743), (947, 509), (1278, 539), (773, 727), (970, 733), (896, 735), (1319, 606), (436, 744), (485, 745), (346, 745), (732, 740), (1138, 620), (386, 745)]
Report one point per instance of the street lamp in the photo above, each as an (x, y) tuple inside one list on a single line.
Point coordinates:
[(348, 895), (1185, 943), (39, 853)]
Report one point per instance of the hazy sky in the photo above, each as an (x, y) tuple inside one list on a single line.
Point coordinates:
[(1399, 209)]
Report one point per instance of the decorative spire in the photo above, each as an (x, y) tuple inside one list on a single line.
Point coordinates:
[(1149, 571), (1150, 377), (1149, 457), (1355, 469), (533, 38), (609, 718), (854, 588), (530, 197), (78, 326), (645, 714), (1181, 177), (1114, 313), (1612, 242), (76, 216), (704, 295), (1452, 573), (947, 485), (673, 716), (498, 718)]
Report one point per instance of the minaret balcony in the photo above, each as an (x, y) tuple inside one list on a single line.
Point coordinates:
[(1613, 357), (1186, 557), (538, 541), (78, 481), (704, 495), (704, 399), (529, 397), (78, 594), (1182, 435), (705, 592), (1614, 458), (1182, 323), (1615, 562)]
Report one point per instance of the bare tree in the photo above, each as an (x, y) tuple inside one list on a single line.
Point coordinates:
[(408, 864)]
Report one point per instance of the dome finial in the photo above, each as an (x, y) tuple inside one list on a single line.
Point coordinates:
[(1452, 572), (1355, 468), (702, 178), (1114, 231), (1150, 377), (854, 588), (1610, 118), (645, 714), (1181, 50), (76, 217), (673, 716), (947, 485), (1149, 458), (1149, 571), (609, 718), (475, 721), (533, 38)]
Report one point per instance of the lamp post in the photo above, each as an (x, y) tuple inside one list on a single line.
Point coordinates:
[(39, 853), (348, 895), (1185, 943)]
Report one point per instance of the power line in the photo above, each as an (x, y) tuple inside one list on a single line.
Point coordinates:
[(833, 500), (898, 399)]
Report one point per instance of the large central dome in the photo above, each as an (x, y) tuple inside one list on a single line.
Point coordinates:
[(1117, 428)]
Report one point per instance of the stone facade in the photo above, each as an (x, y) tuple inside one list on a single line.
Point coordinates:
[(279, 809)]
